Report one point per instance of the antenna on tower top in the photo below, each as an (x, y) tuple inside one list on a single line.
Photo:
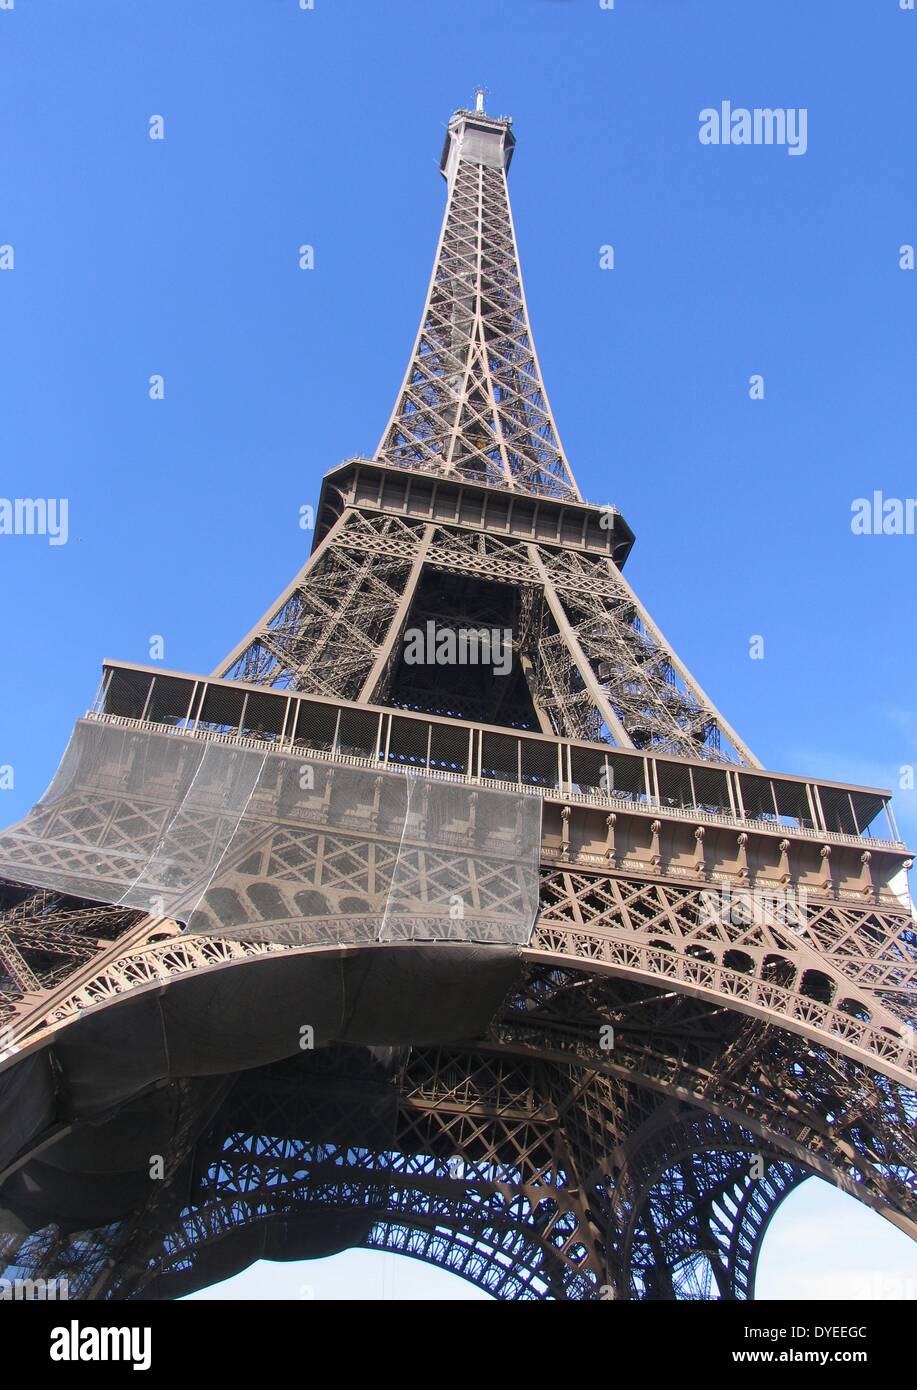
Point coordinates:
[(479, 95)]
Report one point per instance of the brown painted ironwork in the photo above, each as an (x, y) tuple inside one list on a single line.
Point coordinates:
[(677, 1053)]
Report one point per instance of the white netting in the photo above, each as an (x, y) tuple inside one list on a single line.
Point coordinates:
[(236, 840)]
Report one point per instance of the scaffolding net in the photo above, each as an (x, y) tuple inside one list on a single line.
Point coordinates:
[(240, 841)]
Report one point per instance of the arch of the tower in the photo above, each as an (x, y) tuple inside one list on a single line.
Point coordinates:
[(697, 1229), (484, 1183), (483, 1191), (691, 1274), (181, 966), (549, 1159)]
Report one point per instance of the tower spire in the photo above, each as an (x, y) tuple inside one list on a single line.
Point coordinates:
[(473, 401)]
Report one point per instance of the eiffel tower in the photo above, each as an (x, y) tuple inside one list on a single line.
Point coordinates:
[(449, 916)]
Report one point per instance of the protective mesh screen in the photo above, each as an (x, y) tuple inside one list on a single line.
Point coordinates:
[(467, 865), (758, 797), (675, 784), (838, 810), (793, 803), (134, 818), (711, 790), (240, 841)]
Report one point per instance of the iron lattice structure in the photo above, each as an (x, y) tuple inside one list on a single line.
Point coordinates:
[(613, 1107)]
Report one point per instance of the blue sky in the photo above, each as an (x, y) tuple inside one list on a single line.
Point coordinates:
[(283, 127)]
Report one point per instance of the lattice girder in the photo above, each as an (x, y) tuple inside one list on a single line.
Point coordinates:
[(473, 400)]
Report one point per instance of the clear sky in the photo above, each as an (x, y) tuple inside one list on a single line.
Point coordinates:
[(179, 257)]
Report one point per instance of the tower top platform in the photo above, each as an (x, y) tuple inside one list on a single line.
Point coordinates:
[(478, 138)]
